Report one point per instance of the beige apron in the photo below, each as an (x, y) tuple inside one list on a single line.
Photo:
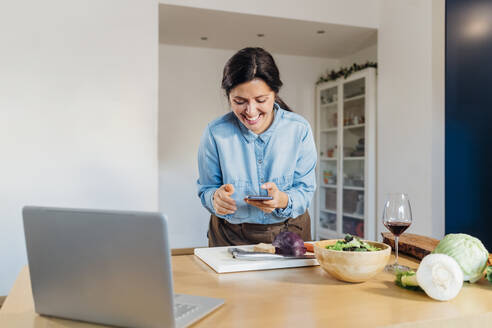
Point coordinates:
[(223, 233)]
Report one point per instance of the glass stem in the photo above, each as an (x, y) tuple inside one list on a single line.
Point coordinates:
[(396, 250)]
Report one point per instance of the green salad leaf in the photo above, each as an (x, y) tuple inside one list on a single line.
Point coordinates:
[(352, 244), (488, 273)]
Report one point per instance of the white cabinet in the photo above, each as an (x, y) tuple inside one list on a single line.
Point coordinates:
[(346, 142)]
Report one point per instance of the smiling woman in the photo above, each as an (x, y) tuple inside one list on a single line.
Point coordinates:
[(259, 148)]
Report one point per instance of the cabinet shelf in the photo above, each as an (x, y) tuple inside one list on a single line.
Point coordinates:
[(329, 185), (353, 215), (354, 98), (328, 158), (354, 126), (355, 158), (328, 211), (353, 188), (330, 130), (332, 104)]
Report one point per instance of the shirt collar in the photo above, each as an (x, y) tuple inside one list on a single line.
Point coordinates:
[(250, 136)]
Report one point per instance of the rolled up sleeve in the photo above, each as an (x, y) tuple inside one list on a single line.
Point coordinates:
[(304, 182), (210, 177)]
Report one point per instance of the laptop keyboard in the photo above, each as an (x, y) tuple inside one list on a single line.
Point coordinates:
[(180, 310)]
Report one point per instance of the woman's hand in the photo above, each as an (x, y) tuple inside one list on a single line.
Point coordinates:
[(223, 203), (280, 199)]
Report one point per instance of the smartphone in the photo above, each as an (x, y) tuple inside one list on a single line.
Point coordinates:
[(258, 197)]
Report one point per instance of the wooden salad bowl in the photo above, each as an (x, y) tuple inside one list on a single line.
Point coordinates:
[(352, 266)]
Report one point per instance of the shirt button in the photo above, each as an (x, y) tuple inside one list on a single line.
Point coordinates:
[(260, 161), (262, 180)]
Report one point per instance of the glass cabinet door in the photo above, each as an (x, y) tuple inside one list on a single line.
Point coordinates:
[(353, 157), (329, 123)]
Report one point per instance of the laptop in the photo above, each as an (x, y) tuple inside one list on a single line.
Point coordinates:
[(107, 267)]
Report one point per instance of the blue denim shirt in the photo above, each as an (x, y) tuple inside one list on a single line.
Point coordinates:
[(284, 154)]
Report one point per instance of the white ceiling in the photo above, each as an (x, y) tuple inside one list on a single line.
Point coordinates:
[(226, 30)]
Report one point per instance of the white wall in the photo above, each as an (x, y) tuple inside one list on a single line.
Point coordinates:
[(438, 121), (363, 13), (361, 56), (78, 111), (189, 98), (411, 109)]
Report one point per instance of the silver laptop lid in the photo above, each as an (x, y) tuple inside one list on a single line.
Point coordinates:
[(109, 267)]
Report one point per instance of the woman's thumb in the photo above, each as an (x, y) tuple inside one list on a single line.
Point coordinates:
[(229, 188), (268, 185)]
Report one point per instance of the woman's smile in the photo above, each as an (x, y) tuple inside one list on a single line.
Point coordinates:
[(252, 120)]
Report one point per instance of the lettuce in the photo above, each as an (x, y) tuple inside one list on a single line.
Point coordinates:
[(488, 273), (468, 251)]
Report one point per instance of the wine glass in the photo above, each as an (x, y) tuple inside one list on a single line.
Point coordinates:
[(397, 217)]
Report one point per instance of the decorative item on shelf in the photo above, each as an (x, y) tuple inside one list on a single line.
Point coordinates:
[(347, 120), (359, 149), (328, 98), (345, 72), (353, 226), (323, 221), (347, 180), (329, 177), (348, 151), (330, 152), (359, 206), (358, 181), (350, 198), (330, 199), (329, 221), (326, 176), (334, 120)]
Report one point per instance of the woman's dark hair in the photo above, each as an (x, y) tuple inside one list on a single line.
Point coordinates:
[(248, 64)]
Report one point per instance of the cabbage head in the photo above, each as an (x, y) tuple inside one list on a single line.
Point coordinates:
[(468, 251)]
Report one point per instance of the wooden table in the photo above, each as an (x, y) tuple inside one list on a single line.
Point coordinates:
[(299, 297)]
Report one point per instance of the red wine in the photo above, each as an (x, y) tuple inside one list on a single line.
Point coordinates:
[(397, 228)]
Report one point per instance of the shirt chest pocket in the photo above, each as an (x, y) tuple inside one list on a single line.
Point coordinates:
[(242, 189), (283, 182)]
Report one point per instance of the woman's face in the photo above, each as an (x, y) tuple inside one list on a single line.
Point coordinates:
[(252, 103)]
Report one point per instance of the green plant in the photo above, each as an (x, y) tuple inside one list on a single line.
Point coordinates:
[(345, 72)]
